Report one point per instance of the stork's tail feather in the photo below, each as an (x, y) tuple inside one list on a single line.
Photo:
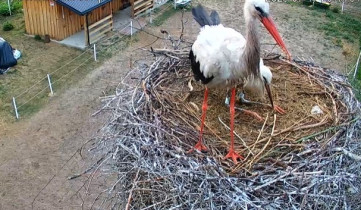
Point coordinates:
[(202, 17), (215, 18)]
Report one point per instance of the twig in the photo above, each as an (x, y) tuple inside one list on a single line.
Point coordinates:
[(131, 190), (349, 154)]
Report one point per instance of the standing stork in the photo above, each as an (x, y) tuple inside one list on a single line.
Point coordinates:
[(222, 57)]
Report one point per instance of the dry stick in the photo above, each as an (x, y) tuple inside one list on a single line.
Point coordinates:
[(278, 144), (151, 206), (328, 129), (291, 127), (131, 191), (303, 126), (182, 31), (260, 132), (276, 180), (335, 121), (133, 96), (236, 134), (349, 154), (322, 122), (266, 145)]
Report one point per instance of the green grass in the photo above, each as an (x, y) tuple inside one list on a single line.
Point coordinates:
[(169, 12), (15, 7), (341, 26), (340, 29)]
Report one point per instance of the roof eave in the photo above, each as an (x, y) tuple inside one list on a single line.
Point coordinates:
[(81, 13)]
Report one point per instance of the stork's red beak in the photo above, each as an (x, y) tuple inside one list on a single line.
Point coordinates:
[(271, 27)]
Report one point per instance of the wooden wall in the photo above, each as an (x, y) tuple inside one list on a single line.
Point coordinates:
[(58, 21), (68, 22), (40, 17)]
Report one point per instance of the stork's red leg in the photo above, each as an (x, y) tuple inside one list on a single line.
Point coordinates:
[(200, 146), (232, 154)]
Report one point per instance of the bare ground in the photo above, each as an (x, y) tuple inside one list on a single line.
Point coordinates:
[(38, 154)]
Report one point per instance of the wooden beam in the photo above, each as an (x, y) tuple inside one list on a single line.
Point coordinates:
[(145, 3), (142, 10), (86, 29), (132, 5), (101, 27), (100, 21), (99, 36)]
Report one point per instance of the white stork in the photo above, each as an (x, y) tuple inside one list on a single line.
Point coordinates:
[(222, 57)]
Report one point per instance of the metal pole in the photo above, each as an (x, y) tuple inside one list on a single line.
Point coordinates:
[(9, 7), (357, 63), (95, 53), (15, 108), (131, 28), (51, 88)]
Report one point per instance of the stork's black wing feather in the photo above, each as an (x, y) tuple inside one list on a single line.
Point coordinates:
[(202, 17), (198, 75), (215, 18)]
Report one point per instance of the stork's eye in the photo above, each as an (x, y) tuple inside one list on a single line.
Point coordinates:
[(259, 9), (261, 12)]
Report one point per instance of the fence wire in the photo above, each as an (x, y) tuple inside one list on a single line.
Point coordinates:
[(38, 88)]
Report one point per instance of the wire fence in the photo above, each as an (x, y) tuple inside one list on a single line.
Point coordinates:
[(54, 80), (29, 99)]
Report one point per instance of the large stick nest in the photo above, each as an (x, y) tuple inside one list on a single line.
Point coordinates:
[(296, 160)]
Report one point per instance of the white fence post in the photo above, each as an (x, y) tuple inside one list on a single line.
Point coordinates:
[(357, 63), (15, 108), (343, 2), (150, 17), (131, 28), (50, 86), (95, 53), (9, 7)]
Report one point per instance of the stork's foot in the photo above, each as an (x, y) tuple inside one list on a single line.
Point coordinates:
[(199, 146), (234, 156), (248, 102), (279, 109), (251, 113)]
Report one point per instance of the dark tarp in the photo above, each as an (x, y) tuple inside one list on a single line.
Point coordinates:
[(6, 55)]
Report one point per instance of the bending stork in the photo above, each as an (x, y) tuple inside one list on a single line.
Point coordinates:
[(222, 57)]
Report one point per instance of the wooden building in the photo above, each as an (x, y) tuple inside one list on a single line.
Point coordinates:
[(62, 18)]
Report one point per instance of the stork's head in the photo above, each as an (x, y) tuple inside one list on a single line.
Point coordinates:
[(266, 74), (267, 78), (259, 9)]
